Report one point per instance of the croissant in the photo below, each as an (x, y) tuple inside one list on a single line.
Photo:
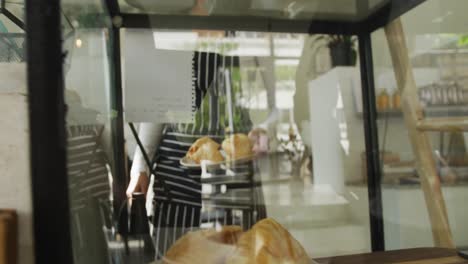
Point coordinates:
[(205, 149), (268, 243), (237, 146), (205, 246)]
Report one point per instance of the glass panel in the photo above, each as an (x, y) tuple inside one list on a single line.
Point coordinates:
[(348, 10), (7, 25), (92, 169), (12, 42), (436, 47), (16, 7), (15, 182), (12, 37), (285, 142)]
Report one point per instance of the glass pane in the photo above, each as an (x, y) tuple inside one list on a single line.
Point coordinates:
[(12, 42), (92, 169), (348, 10), (436, 48), (263, 129), (15, 183), (12, 37), (16, 7), (7, 25)]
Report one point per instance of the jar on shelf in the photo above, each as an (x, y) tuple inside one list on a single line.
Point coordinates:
[(396, 100), (383, 101)]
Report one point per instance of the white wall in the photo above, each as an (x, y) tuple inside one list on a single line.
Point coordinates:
[(15, 185), (347, 80)]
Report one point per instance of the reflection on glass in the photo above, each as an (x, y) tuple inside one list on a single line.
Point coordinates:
[(16, 7), (214, 140), (242, 157), (90, 162), (438, 60), (12, 36), (349, 10)]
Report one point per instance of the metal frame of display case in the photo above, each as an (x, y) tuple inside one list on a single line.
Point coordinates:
[(47, 109), (47, 132)]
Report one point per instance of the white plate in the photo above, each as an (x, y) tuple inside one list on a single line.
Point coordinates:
[(185, 161), (162, 6)]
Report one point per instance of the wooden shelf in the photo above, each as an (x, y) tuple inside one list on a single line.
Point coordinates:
[(414, 256), (444, 124), (430, 112)]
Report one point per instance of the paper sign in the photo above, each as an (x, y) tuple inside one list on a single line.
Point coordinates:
[(158, 83)]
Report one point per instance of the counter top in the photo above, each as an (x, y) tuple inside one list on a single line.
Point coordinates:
[(405, 256)]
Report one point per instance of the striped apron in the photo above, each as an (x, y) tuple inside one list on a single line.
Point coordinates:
[(235, 197), (89, 187)]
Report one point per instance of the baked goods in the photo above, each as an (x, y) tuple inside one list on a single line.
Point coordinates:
[(237, 146), (206, 246), (268, 242), (205, 149)]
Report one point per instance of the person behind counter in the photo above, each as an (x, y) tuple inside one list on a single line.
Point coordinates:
[(179, 209), (88, 180)]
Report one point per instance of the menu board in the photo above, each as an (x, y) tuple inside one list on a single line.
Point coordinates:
[(159, 84)]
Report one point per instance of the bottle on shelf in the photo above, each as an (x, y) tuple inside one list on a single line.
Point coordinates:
[(396, 100), (383, 100)]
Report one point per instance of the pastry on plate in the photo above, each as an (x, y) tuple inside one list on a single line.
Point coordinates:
[(208, 246), (237, 146), (205, 149), (268, 242)]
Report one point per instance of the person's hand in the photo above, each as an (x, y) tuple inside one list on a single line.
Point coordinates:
[(138, 183), (259, 138)]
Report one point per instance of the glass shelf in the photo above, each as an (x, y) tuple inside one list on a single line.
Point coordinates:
[(349, 17), (337, 10)]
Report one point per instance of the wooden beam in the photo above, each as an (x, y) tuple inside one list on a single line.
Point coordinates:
[(8, 236), (422, 150), (455, 124)]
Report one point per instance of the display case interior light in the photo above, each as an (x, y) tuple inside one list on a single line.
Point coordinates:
[(78, 43)]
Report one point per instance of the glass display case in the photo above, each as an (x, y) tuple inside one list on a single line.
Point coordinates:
[(207, 131)]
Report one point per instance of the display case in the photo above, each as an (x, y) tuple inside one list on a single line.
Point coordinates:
[(216, 131)]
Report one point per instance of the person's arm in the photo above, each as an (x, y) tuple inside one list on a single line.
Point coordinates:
[(150, 136)]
